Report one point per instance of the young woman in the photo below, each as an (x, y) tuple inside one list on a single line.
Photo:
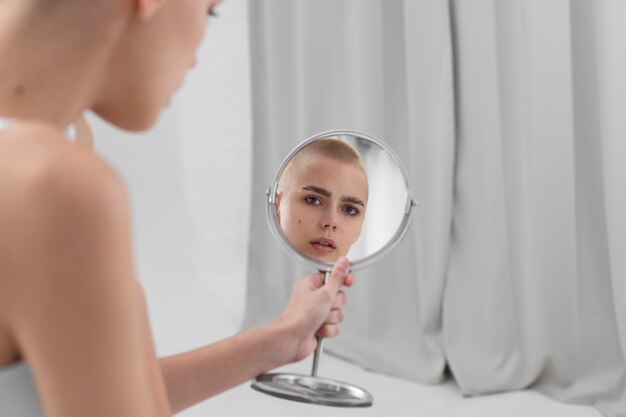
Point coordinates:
[(322, 199), (72, 315)]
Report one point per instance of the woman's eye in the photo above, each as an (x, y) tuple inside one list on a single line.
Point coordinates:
[(352, 211), (313, 200), (212, 12)]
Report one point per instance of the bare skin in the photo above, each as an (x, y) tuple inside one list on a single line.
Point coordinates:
[(70, 306), (324, 201)]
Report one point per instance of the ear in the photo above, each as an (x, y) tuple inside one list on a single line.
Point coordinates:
[(147, 8), (279, 197)]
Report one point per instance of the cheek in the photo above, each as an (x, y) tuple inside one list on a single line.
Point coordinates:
[(191, 22), (291, 221), (355, 230), (199, 33), (304, 213)]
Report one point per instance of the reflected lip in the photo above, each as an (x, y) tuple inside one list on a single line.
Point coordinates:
[(324, 244)]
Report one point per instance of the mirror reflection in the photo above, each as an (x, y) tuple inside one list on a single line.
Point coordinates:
[(322, 199), (340, 194)]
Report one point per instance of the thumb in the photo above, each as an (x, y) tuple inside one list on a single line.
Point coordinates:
[(338, 275)]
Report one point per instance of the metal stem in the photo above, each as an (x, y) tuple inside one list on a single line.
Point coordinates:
[(320, 341), (316, 356)]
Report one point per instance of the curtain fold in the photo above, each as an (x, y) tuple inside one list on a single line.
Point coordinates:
[(530, 297), (510, 117)]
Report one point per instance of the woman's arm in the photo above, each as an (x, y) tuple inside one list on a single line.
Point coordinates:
[(201, 373), (313, 310), (78, 315)]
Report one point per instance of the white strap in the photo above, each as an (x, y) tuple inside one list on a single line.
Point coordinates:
[(4, 123), (70, 131)]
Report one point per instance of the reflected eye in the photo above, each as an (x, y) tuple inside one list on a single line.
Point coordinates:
[(313, 201), (212, 13), (352, 211)]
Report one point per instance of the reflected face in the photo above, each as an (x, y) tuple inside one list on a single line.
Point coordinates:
[(321, 207)]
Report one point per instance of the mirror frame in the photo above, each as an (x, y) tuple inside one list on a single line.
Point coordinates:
[(322, 266)]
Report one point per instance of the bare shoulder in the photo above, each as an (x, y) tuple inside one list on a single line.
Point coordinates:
[(62, 209), (54, 193), (38, 162), (69, 303)]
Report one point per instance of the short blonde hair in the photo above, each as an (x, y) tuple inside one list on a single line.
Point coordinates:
[(327, 147)]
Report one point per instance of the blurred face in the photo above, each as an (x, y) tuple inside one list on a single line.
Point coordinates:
[(322, 208), (151, 61)]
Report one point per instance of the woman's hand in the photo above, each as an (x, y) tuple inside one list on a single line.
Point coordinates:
[(315, 309)]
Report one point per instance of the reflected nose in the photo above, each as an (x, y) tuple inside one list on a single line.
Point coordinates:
[(329, 222)]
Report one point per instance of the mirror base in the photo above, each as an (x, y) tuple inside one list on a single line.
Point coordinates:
[(312, 390)]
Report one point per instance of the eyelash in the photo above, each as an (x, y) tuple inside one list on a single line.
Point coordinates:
[(309, 200), (315, 201), (355, 213)]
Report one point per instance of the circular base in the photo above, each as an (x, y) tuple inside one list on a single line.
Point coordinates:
[(313, 390)]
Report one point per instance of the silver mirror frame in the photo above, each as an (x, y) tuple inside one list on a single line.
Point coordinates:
[(272, 219)]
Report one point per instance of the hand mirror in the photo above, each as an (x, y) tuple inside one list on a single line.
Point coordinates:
[(338, 193)]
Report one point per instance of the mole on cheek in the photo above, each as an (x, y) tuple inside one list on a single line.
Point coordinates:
[(299, 221)]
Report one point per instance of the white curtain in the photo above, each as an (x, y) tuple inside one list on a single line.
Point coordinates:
[(511, 118)]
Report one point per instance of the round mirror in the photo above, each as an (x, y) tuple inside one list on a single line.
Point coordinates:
[(340, 193)]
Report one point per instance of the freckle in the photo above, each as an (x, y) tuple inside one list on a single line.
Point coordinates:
[(19, 90), (299, 221)]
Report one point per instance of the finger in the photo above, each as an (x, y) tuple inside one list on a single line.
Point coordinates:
[(339, 274), (335, 316), (349, 280), (340, 300), (328, 330), (317, 280)]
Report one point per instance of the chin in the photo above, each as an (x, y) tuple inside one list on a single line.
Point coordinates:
[(131, 121), (141, 125), (331, 257)]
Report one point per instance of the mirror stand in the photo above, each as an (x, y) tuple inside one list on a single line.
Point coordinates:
[(312, 388), (376, 183)]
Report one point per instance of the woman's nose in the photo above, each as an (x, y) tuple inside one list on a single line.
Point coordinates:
[(329, 221)]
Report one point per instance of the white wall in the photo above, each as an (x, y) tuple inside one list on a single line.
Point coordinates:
[(189, 180)]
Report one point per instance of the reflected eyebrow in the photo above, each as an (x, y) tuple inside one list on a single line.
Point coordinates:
[(326, 193), (353, 200), (318, 190)]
